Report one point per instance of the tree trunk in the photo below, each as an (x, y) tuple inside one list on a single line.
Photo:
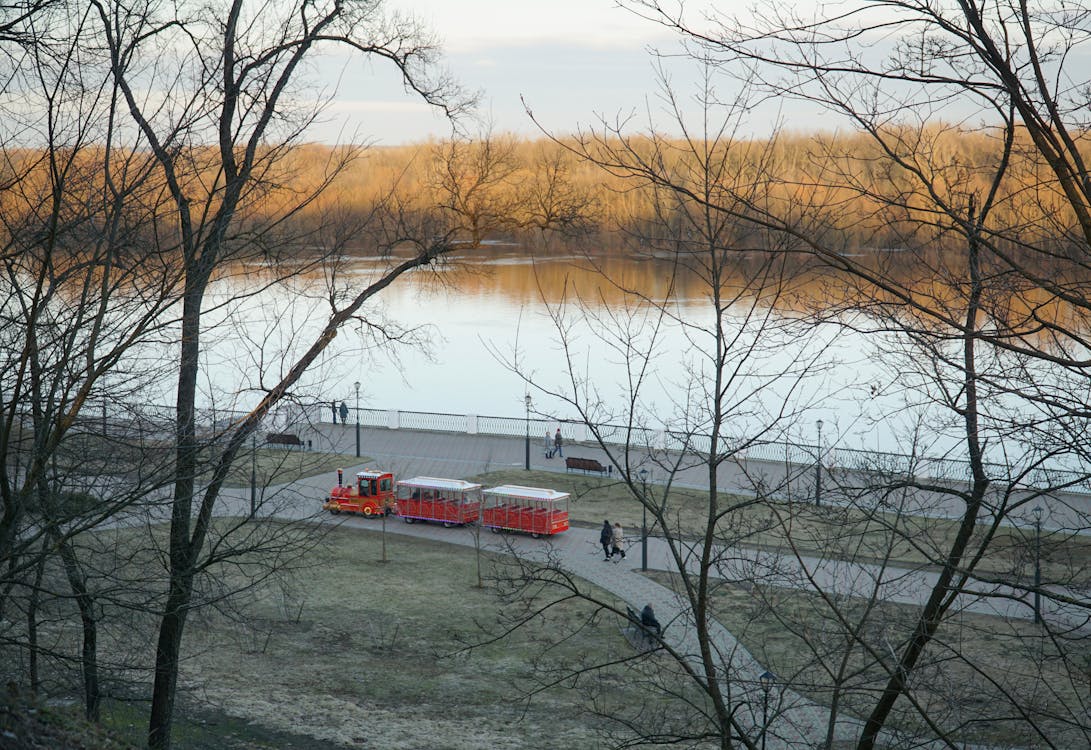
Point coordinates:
[(943, 593), (182, 554), (166, 665), (89, 652), (32, 624)]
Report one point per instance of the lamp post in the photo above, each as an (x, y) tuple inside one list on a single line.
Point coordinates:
[(818, 468), (644, 523), (526, 460), (253, 474), (357, 384), (1037, 563), (767, 680)]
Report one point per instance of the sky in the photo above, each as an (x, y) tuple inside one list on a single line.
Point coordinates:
[(572, 61)]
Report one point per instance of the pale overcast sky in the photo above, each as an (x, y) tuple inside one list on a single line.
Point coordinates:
[(570, 59)]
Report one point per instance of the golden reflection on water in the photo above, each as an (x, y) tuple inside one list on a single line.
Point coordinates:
[(793, 286)]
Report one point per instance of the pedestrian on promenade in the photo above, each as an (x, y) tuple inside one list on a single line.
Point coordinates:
[(558, 443), (344, 413), (606, 538), (333, 405), (617, 538), (548, 444)]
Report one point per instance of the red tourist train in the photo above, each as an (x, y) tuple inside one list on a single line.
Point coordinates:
[(453, 502)]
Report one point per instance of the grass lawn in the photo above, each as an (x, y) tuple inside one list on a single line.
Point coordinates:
[(349, 651), (784, 630), (282, 465), (358, 653)]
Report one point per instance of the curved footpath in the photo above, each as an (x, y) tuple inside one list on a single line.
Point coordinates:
[(417, 453)]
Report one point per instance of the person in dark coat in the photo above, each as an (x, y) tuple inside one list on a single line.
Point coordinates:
[(558, 443), (647, 619), (344, 413), (606, 538)]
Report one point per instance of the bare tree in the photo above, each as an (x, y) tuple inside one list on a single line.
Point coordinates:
[(230, 80), (733, 382), (81, 292), (959, 300), (970, 308)]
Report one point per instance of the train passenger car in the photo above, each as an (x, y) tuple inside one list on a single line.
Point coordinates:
[(532, 510), (452, 502)]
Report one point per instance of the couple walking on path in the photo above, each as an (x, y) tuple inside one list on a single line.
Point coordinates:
[(611, 539), (557, 447)]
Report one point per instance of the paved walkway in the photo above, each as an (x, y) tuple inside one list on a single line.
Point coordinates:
[(413, 453)]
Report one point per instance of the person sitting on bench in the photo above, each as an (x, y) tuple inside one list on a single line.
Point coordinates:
[(647, 619)]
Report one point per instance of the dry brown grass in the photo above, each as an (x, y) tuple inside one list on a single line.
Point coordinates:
[(788, 631), (361, 653)]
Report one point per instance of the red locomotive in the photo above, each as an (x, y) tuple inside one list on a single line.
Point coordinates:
[(372, 495)]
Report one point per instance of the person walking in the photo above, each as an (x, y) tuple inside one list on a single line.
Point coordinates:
[(558, 443), (617, 538), (548, 444), (344, 413), (333, 405), (606, 538)]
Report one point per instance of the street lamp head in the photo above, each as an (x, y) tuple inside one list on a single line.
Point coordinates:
[(819, 423), (357, 384), (767, 680), (527, 399), (1037, 511), (643, 473)]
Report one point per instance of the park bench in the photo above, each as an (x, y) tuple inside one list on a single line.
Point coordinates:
[(639, 637), (283, 438), (583, 464)]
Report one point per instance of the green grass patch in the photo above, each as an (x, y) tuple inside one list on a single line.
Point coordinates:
[(30, 725), (199, 727), (349, 651)]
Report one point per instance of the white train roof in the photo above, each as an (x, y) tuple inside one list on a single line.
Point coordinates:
[(531, 493), (435, 483)]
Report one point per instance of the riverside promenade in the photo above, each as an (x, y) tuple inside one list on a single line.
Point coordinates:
[(437, 453)]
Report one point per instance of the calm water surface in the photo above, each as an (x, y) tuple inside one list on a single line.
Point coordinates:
[(466, 334)]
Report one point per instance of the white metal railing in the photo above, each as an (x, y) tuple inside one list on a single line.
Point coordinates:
[(148, 419), (781, 452)]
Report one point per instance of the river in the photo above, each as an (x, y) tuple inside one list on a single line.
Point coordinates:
[(476, 339)]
